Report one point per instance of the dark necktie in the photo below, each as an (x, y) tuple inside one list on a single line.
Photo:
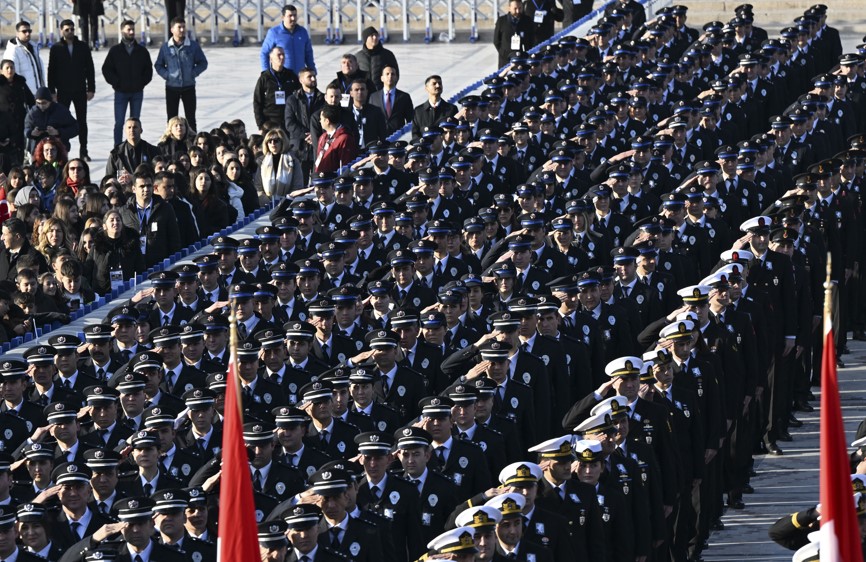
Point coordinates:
[(242, 331), (257, 480), (464, 436), (74, 526), (127, 354), (148, 489), (169, 381), (326, 350), (103, 433), (374, 490), (103, 508), (385, 386), (440, 454), (166, 320), (388, 105), (323, 437), (67, 384), (292, 457), (43, 400), (138, 558), (335, 536), (200, 444), (100, 374)]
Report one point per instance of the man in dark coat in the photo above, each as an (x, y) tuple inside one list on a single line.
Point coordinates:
[(513, 32), (131, 152), (71, 77), (153, 219), (15, 100), (128, 69), (373, 57), (48, 119)]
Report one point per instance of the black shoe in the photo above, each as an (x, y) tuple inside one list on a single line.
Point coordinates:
[(811, 397), (785, 436), (859, 335), (803, 406), (840, 364), (760, 449), (774, 449), (736, 503), (752, 473), (747, 489), (86, 157), (718, 525), (794, 422)]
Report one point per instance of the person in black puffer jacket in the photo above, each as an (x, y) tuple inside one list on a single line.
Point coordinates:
[(116, 248), (373, 57)]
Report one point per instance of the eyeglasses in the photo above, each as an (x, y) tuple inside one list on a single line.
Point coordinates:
[(25, 30), (75, 168), (274, 141)]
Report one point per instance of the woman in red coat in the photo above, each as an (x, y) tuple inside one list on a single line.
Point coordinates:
[(337, 147)]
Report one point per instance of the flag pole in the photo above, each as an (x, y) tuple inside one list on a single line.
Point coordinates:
[(828, 295), (840, 531), (237, 539)]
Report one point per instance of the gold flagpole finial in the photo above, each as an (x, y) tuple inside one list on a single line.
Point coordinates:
[(828, 295)]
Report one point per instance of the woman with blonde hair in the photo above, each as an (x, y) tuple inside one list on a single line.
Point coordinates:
[(53, 235), (177, 137), (279, 169)]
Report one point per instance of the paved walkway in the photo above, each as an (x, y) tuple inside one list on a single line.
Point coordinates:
[(789, 483)]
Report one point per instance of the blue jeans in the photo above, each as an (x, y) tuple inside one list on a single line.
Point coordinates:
[(121, 100)]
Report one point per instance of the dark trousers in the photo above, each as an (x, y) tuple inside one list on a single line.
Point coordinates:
[(173, 97), (79, 100), (88, 19), (174, 8)]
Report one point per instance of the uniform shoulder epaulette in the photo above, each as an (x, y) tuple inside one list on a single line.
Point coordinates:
[(337, 553), (491, 430)]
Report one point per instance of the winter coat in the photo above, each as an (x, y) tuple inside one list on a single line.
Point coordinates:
[(109, 254), (180, 65), (27, 63)]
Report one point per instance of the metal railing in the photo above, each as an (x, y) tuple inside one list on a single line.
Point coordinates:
[(239, 21)]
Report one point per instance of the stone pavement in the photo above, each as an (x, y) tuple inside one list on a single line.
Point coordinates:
[(789, 483)]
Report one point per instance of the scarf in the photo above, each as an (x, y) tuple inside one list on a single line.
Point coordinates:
[(275, 180)]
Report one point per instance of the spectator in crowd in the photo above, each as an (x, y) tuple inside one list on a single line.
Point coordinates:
[(349, 72), (49, 119), (132, 152), (165, 185), (25, 55), (337, 147), (394, 103), (293, 38), (373, 57), (205, 194), (174, 9), (240, 188), (128, 69), (15, 247), (177, 138), (179, 63), (279, 170), (272, 91), (434, 110), (513, 32), (369, 119), (153, 219), (88, 12), (71, 78), (16, 99), (300, 108)]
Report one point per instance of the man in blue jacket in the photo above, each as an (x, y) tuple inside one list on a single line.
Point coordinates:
[(179, 63), (293, 38)]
